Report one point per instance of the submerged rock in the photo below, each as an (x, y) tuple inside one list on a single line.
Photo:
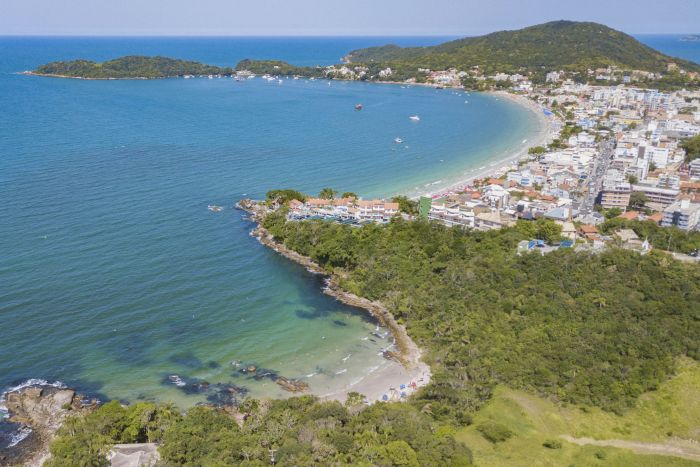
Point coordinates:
[(292, 385)]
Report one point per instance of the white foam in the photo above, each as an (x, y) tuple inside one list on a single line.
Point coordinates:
[(4, 413), (19, 436), (344, 370)]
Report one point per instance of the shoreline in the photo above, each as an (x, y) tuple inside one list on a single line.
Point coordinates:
[(52, 75), (544, 135), (404, 368)]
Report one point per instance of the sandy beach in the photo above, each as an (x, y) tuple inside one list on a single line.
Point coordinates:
[(549, 128), (384, 381)]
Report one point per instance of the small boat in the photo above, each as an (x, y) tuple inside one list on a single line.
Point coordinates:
[(214, 208), (358, 106), (398, 140), (415, 118)]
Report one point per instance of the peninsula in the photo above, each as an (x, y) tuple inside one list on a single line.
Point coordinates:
[(578, 49)]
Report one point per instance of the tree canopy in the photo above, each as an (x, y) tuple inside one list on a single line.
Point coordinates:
[(133, 66), (692, 148), (584, 328)]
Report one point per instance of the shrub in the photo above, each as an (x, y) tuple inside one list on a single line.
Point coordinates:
[(552, 444), (494, 431)]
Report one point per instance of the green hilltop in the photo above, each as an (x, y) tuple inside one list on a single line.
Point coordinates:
[(566, 45), (134, 66)]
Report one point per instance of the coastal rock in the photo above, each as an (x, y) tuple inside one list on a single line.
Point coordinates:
[(292, 385), (43, 409)]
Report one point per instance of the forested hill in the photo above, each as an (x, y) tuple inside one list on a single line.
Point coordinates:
[(556, 45), (134, 66)]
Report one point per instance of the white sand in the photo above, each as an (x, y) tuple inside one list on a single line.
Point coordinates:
[(379, 382), (548, 130)]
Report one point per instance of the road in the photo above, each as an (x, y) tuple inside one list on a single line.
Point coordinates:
[(595, 179)]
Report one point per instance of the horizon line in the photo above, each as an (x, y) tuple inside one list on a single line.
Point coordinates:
[(292, 35)]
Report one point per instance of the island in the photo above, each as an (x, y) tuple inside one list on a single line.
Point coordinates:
[(130, 67)]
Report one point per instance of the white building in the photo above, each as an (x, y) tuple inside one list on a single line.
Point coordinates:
[(683, 214)]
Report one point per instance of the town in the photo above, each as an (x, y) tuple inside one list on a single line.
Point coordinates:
[(617, 153)]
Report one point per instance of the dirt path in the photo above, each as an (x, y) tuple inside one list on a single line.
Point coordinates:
[(686, 449)]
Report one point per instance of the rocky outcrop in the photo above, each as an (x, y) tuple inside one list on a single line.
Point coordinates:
[(43, 409)]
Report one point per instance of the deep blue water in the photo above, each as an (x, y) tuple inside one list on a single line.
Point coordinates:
[(113, 273), (672, 45)]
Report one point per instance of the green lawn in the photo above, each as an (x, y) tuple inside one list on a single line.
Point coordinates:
[(663, 416)]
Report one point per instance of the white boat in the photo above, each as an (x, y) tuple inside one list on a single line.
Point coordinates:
[(398, 140), (415, 118), (214, 208)]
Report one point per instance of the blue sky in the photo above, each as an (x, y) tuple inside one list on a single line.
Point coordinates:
[(334, 17)]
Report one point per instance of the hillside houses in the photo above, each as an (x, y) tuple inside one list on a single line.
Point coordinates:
[(351, 209)]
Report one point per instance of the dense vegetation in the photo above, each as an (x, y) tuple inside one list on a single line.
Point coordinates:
[(662, 238), (692, 148), (134, 66), (577, 327), (556, 45), (297, 431), (279, 68)]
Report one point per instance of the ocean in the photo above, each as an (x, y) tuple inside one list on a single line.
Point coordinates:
[(116, 279)]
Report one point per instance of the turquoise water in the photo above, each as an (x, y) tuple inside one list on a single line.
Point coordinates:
[(113, 273)]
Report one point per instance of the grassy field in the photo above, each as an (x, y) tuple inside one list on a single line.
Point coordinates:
[(669, 417)]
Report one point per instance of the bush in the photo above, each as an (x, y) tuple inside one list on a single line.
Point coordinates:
[(552, 444), (494, 431)]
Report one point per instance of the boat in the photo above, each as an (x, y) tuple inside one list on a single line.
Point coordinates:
[(415, 118), (398, 140), (358, 106), (214, 208)]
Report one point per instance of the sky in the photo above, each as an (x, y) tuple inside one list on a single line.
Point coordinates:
[(334, 17)]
